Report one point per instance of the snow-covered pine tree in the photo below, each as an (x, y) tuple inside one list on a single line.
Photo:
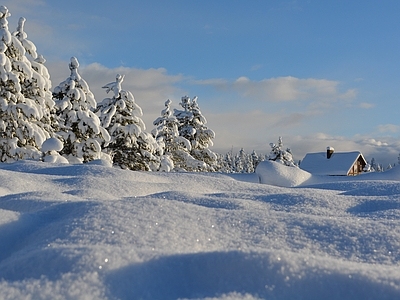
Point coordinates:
[(25, 121), (166, 129), (279, 155), (374, 165), (249, 164), (192, 127), (229, 161), (240, 161), (368, 168), (38, 88), (203, 138), (256, 159), (80, 130), (176, 148), (130, 146), (226, 163)]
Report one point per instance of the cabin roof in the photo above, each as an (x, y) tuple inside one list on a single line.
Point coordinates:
[(339, 163)]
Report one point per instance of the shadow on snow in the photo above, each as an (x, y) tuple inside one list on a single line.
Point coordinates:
[(217, 273), (25, 244)]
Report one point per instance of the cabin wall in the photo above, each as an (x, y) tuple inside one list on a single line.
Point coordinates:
[(357, 167)]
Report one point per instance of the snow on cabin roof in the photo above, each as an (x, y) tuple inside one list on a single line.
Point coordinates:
[(338, 164)]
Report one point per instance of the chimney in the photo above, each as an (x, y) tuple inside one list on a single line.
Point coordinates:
[(329, 152)]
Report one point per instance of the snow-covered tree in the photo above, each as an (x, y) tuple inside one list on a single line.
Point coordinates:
[(176, 148), (246, 163), (373, 165), (368, 168), (192, 126), (81, 130), (38, 87), (226, 163), (255, 159), (241, 162), (166, 129), (25, 121), (278, 154), (130, 146)]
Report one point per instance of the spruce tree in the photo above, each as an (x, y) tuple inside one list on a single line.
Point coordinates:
[(176, 148), (80, 130), (37, 88), (374, 165), (130, 146), (24, 105), (256, 159), (240, 160), (166, 129), (192, 127), (278, 154)]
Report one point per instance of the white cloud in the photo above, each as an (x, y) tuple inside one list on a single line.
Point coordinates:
[(256, 67), (215, 82), (22, 7), (373, 142), (366, 105), (283, 89), (291, 89), (43, 24), (348, 95), (388, 128), (251, 129)]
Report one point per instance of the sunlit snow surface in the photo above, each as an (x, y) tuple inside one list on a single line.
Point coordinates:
[(95, 232)]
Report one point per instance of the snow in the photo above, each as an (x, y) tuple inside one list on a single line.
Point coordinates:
[(115, 86), (89, 231), (275, 173), (52, 144)]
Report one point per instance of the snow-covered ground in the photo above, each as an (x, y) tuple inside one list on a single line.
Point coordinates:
[(94, 232)]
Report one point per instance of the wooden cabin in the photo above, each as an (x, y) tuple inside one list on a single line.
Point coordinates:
[(334, 163)]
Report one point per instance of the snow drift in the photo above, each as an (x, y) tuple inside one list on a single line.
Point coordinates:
[(94, 232), (275, 173)]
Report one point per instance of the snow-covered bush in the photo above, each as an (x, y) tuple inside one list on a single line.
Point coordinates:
[(130, 146), (80, 128), (51, 148)]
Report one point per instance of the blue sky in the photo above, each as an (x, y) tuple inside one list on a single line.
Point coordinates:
[(318, 73)]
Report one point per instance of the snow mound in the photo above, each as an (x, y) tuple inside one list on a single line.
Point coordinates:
[(392, 174), (52, 144), (101, 162), (7, 216), (273, 173)]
